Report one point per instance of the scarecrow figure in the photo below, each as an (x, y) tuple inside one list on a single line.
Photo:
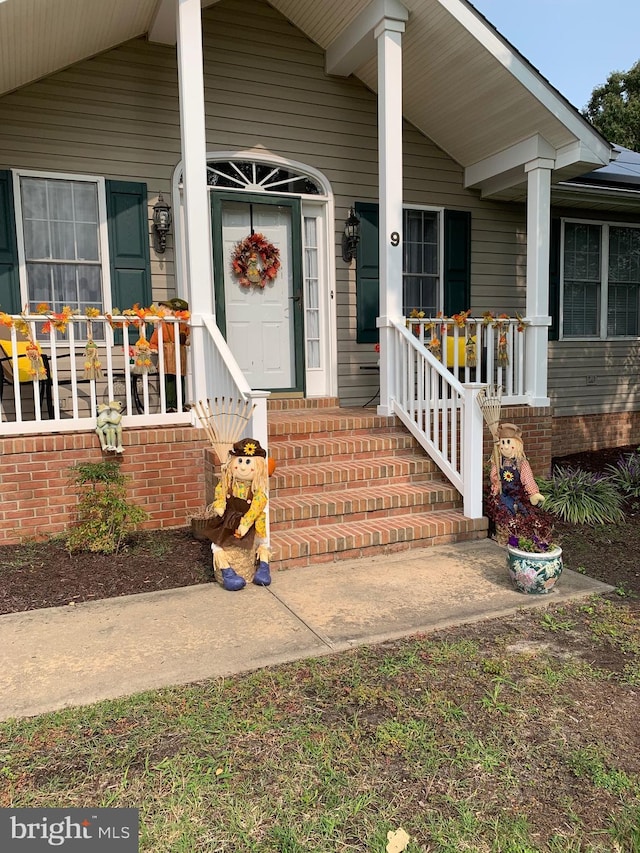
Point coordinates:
[(253, 269), (511, 473), (92, 366), (177, 308), (239, 522)]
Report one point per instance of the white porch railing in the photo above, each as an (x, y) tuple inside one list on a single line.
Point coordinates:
[(490, 350), (441, 413), (64, 399)]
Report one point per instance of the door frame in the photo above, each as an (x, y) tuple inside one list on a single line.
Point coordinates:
[(218, 197)]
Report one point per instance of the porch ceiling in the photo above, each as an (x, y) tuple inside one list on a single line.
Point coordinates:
[(464, 86), (39, 37)]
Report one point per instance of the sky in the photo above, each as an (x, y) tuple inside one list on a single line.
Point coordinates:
[(575, 44)]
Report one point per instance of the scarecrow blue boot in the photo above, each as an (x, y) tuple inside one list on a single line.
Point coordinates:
[(262, 576), (232, 581)]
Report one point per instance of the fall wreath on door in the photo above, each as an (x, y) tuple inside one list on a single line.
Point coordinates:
[(255, 261)]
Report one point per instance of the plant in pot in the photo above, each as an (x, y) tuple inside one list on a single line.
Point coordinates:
[(534, 560), (514, 506)]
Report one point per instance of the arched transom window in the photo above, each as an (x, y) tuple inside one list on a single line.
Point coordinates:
[(260, 177)]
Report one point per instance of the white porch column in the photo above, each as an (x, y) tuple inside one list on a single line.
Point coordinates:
[(388, 36), (472, 451), (196, 200), (537, 309)]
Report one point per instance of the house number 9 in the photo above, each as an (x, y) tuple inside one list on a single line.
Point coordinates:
[(395, 238)]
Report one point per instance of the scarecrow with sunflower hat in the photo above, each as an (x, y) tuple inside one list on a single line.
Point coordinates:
[(238, 528), (511, 474)]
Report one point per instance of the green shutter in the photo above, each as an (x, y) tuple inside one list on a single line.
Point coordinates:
[(457, 261), (457, 268), (554, 280), (9, 281), (367, 274), (128, 244)]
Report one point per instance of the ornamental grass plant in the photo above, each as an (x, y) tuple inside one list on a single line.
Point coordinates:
[(625, 474), (582, 497)]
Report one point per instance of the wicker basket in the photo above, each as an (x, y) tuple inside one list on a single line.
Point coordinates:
[(197, 527)]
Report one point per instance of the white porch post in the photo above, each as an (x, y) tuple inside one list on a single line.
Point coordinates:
[(196, 200), (472, 451), (388, 36), (537, 310)]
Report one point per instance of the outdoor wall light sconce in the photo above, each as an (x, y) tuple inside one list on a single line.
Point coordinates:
[(161, 223), (350, 237)]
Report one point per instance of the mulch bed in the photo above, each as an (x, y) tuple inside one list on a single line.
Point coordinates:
[(43, 574)]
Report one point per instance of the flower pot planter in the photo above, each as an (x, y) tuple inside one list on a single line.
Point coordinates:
[(535, 573)]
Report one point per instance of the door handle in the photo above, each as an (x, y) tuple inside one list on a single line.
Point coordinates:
[(295, 298)]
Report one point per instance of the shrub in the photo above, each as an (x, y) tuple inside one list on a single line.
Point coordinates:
[(104, 516), (582, 497), (625, 474)]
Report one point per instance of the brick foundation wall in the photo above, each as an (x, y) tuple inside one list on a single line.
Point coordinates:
[(211, 474), (537, 435), (545, 436), (173, 472), (577, 433), (166, 470)]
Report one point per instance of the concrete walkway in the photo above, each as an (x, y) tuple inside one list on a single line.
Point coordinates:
[(77, 655)]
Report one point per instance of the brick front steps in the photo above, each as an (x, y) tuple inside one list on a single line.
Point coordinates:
[(350, 483)]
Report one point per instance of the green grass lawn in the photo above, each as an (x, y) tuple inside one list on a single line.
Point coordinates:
[(516, 735)]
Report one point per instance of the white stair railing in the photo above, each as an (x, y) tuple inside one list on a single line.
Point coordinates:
[(223, 378), (441, 413)]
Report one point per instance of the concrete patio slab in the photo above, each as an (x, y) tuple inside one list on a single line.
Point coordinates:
[(78, 655), (372, 600)]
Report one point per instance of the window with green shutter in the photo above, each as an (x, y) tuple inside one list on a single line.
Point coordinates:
[(600, 281), (79, 236), (435, 277), (421, 275), (457, 261), (61, 242), (554, 280), (367, 274)]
